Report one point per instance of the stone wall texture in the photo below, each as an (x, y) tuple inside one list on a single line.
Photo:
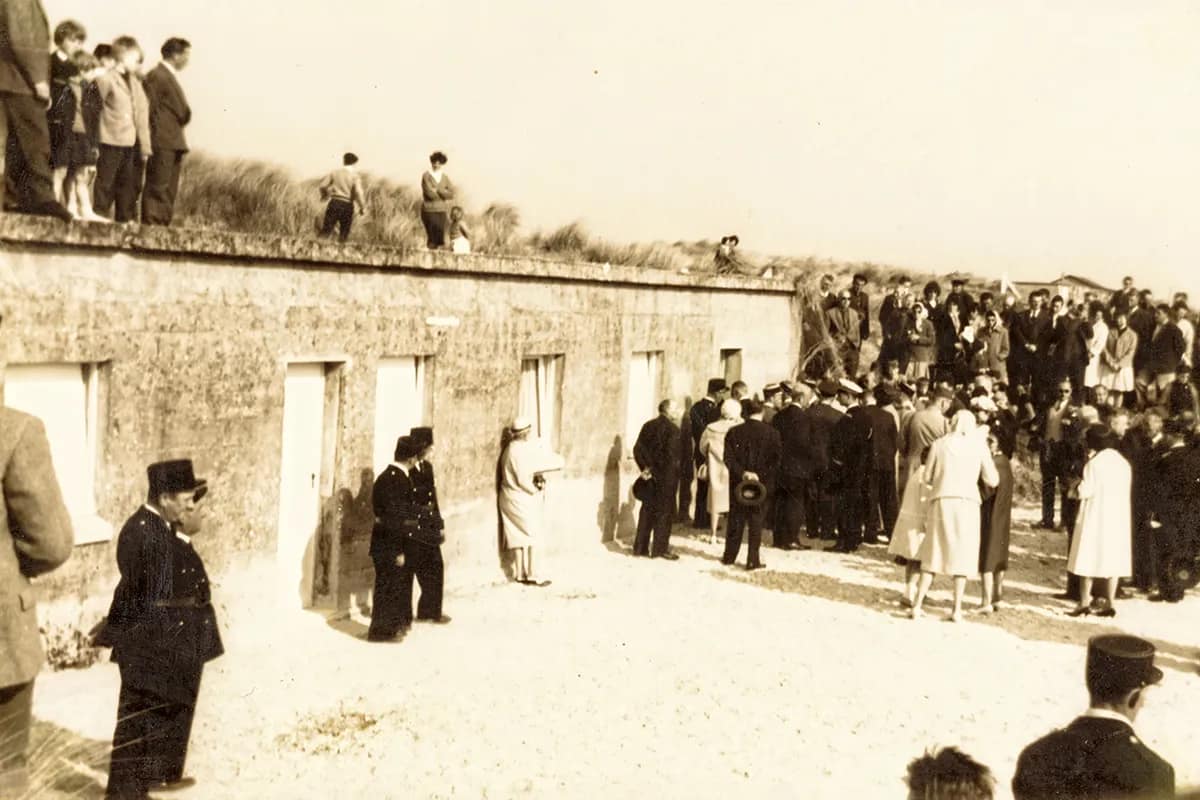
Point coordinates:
[(195, 330)]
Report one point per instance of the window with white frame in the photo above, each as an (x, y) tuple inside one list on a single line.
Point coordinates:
[(401, 402), (540, 397), (66, 398), (645, 370)]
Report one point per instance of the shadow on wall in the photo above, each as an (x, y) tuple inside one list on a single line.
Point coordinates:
[(355, 516), (687, 466), (614, 516)]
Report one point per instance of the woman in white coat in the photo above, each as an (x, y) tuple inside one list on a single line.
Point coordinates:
[(712, 445), (957, 463), (522, 503), (1102, 545)]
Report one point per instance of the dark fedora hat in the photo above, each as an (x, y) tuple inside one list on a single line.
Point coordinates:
[(717, 385), (422, 435), (406, 448), (751, 493), (173, 477), (643, 489), (1119, 662)]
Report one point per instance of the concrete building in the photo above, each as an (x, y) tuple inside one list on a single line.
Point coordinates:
[(286, 369), (1069, 287)]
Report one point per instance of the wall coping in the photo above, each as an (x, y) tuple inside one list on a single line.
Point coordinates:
[(321, 253)]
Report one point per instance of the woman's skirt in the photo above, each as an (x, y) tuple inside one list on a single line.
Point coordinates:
[(1117, 380), (951, 545), (910, 523)]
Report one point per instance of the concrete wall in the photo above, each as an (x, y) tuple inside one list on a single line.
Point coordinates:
[(195, 330)]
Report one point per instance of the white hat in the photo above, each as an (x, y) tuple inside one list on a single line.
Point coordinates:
[(521, 423), (850, 386)]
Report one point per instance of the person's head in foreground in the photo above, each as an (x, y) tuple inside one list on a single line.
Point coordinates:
[(949, 774), (1119, 669)]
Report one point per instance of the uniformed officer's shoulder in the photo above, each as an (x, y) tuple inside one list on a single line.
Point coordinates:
[(1132, 757)]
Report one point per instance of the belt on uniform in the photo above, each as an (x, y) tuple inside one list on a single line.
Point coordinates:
[(186, 602)]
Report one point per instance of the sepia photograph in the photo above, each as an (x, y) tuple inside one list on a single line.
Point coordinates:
[(514, 399)]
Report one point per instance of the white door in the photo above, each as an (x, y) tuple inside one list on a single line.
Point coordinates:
[(300, 476)]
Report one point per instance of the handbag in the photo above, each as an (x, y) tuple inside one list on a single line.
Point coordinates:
[(702, 473)]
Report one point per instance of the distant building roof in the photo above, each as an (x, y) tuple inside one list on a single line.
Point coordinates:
[(1069, 280)]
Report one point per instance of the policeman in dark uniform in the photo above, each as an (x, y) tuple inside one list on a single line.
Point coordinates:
[(162, 629), (424, 551), (1099, 755), (393, 499)]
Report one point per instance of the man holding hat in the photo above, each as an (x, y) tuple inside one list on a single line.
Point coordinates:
[(655, 455), (162, 629), (424, 558), (752, 455), (35, 537), (1099, 754), (394, 500), (705, 412)]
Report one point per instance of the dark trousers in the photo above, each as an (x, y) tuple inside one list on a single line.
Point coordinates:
[(824, 506), (790, 503), (1145, 553), (340, 214), (435, 223), (740, 517), (16, 715), (702, 519), (423, 562), (654, 517), (162, 186), (1052, 481), (151, 738), (26, 138), (118, 180), (387, 603), (850, 513), (1169, 550), (883, 506)]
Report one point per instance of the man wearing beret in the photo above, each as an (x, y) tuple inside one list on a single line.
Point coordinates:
[(394, 501), (162, 629), (1099, 755), (35, 538), (424, 553), (752, 454), (705, 412)]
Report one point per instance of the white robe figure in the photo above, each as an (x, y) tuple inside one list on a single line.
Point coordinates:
[(1102, 544), (1096, 345), (522, 504)]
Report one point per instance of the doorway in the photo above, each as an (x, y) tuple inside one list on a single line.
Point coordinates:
[(300, 481)]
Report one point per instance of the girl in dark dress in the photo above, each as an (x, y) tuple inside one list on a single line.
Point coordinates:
[(996, 521)]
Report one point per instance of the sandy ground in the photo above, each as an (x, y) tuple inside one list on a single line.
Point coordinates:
[(637, 678)]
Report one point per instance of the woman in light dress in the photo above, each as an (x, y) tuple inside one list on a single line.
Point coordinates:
[(1116, 362), (1102, 547), (1096, 345), (909, 531), (957, 463), (712, 446), (522, 504)]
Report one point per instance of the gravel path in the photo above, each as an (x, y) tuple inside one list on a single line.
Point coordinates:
[(637, 678)]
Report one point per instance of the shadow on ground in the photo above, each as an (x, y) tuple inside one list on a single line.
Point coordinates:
[(64, 764)]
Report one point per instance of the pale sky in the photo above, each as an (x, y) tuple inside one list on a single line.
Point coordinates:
[(1031, 137)]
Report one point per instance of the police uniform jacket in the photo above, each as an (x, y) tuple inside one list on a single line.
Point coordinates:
[(161, 624), (399, 517), (1094, 758), (425, 496), (702, 414)]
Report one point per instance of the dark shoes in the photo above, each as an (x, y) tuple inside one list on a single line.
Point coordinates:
[(752, 567), (1107, 612), (1159, 597), (1082, 611), (395, 639), (52, 209), (535, 583), (442, 620), (668, 556)]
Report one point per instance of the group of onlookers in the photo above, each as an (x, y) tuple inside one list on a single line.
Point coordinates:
[(90, 135)]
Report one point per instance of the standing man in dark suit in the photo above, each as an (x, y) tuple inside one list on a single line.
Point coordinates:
[(655, 455), (844, 328), (965, 302), (162, 629), (822, 418), (1099, 755), (169, 115), (752, 454), (849, 451), (424, 555), (862, 305), (1030, 339), (24, 98), (705, 412), (1069, 345), (395, 504), (795, 473), (1173, 513), (35, 537), (883, 503)]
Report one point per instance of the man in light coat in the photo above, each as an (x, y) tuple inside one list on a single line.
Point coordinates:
[(35, 538)]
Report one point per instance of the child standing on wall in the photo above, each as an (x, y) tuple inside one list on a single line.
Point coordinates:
[(69, 37), (460, 237), (84, 147), (343, 189)]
